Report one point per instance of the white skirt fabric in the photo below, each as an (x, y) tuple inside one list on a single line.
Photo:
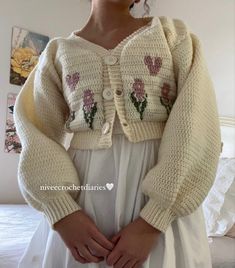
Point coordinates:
[(125, 164)]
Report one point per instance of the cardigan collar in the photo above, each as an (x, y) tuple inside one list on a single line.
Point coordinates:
[(117, 49)]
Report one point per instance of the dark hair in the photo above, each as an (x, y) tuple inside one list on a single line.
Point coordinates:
[(146, 7)]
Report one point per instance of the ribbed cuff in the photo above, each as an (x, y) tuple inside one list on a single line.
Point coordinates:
[(156, 216), (59, 207)]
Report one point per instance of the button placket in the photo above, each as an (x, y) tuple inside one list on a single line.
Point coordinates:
[(119, 92), (110, 59), (124, 123), (108, 93), (105, 128)]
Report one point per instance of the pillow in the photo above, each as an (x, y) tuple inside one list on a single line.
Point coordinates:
[(219, 205), (231, 232)]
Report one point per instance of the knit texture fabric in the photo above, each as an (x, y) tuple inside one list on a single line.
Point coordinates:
[(161, 89)]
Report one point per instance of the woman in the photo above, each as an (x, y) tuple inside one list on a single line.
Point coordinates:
[(157, 223)]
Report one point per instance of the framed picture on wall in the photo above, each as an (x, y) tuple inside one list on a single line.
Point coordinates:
[(26, 48), (12, 142)]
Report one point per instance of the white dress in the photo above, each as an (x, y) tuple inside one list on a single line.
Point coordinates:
[(184, 245)]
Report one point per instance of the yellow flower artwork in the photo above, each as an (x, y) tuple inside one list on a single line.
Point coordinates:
[(26, 49)]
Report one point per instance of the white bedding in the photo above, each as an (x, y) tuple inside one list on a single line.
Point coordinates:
[(219, 205), (222, 251), (17, 224)]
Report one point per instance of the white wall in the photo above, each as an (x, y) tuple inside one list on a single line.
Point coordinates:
[(212, 21), (52, 18)]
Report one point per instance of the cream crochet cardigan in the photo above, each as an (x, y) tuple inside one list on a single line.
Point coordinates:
[(161, 89)]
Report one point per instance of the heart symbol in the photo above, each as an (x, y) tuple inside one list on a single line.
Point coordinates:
[(72, 80), (155, 67), (109, 186)]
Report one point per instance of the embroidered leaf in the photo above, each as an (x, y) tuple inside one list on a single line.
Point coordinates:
[(89, 107), (139, 97)]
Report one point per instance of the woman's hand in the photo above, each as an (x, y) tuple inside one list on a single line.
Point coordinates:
[(133, 244), (80, 234)]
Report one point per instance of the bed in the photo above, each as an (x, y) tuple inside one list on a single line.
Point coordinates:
[(18, 222), (222, 247), (222, 251)]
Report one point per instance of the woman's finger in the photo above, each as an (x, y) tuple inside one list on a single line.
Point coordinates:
[(97, 248), (102, 240), (77, 256), (137, 264), (85, 252), (113, 257), (121, 261), (115, 238), (130, 263)]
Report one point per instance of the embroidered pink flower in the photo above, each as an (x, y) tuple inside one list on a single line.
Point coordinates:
[(138, 87), (154, 67), (89, 106), (88, 99), (138, 96), (168, 96), (165, 90), (72, 80)]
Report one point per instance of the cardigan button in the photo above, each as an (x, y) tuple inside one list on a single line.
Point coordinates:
[(119, 92), (110, 59), (105, 128), (125, 124), (108, 93)]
